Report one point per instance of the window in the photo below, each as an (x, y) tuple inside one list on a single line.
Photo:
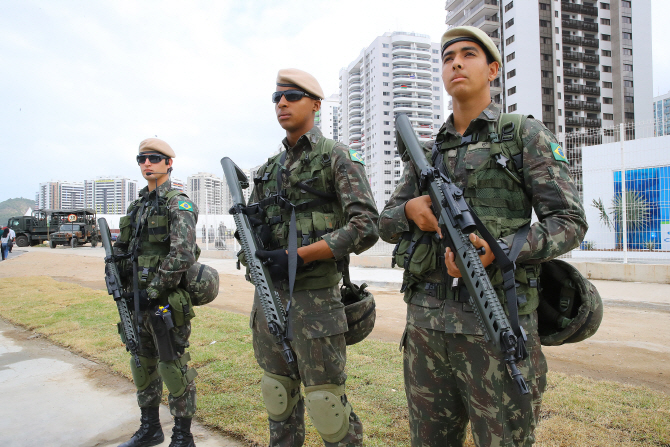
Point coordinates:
[(627, 83), (511, 56), (627, 67), (385, 45), (548, 108), (556, 30), (436, 52), (560, 112), (555, 13), (437, 98), (509, 6), (387, 123), (511, 91), (511, 74), (629, 115), (385, 55), (547, 91), (628, 99), (509, 23), (607, 84), (436, 107), (436, 61), (607, 100), (604, 5), (607, 69), (604, 21), (387, 113), (387, 143), (559, 95), (385, 84), (509, 40), (386, 103), (625, 4), (558, 63), (386, 93), (608, 116), (387, 182), (544, 23), (511, 108), (606, 37), (558, 79), (385, 74), (437, 117), (607, 53), (558, 46), (628, 36), (385, 64), (546, 74), (436, 89), (626, 19), (387, 132), (544, 7), (436, 79), (627, 51), (436, 70), (387, 153)]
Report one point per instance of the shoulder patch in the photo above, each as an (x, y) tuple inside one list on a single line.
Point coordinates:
[(355, 156), (558, 152), (186, 206)]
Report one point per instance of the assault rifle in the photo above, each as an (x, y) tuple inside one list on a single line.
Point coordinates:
[(113, 280), (274, 312), (454, 215)]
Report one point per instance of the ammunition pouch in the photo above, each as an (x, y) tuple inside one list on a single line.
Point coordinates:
[(417, 252), (164, 342)]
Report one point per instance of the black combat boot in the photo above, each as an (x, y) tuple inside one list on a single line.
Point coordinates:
[(181, 433), (150, 432)]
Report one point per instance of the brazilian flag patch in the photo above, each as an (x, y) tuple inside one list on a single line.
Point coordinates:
[(186, 206), (559, 153), (355, 156)]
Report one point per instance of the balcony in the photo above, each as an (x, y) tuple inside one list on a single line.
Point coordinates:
[(580, 88), (409, 97), (487, 23), (593, 122), (582, 57), (583, 105), (580, 24), (579, 9), (409, 88), (581, 73), (581, 41), (574, 120), (413, 58)]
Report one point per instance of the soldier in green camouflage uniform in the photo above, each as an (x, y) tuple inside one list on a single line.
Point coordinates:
[(452, 374), (335, 215), (164, 222)]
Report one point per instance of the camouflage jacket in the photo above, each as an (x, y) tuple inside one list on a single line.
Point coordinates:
[(180, 246), (353, 195), (547, 182)]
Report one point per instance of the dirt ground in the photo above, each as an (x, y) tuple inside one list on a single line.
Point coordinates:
[(631, 345)]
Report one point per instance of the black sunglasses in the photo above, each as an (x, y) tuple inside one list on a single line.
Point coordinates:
[(153, 158), (291, 95)]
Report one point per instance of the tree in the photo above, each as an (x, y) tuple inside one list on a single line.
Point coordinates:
[(638, 214)]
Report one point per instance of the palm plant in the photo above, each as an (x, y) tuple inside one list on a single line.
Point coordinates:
[(638, 213)]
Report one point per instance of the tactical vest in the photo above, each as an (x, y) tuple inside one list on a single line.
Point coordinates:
[(311, 192), (154, 246), (495, 191)]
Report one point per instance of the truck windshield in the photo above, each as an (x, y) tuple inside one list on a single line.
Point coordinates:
[(69, 227), (13, 223)]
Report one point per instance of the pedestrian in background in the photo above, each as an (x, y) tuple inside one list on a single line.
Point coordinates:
[(5, 243), (12, 236)]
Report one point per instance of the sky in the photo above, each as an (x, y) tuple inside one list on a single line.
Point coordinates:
[(84, 82)]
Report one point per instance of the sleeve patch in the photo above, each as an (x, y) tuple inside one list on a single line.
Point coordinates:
[(186, 206), (355, 156), (559, 153)]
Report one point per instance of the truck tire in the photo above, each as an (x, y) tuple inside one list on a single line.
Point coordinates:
[(73, 242), (22, 241), (52, 244)]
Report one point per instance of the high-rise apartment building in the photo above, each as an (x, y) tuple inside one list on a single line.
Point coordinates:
[(397, 73), (110, 195), (568, 63), (206, 191), (662, 115), (178, 184), (327, 118), (48, 196), (60, 195), (225, 191)]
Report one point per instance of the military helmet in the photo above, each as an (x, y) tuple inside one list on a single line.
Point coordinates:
[(570, 307), (359, 306), (202, 283)]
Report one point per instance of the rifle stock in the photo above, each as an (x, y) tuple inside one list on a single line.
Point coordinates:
[(455, 217), (113, 281), (275, 315)]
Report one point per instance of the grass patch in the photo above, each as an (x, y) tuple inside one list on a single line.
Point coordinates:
[(576, 412)]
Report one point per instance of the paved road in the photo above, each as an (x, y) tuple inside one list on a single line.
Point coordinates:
[(51, 397)]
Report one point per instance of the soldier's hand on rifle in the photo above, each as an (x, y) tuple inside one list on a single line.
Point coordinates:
[(482, 247), (277, 262), (420, 212), (145, 302)]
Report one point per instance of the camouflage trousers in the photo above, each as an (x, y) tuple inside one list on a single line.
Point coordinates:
[(451, 379), (318, 324), (182, 406)]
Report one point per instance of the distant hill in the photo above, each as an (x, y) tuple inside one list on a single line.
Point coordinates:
[(14, 207)]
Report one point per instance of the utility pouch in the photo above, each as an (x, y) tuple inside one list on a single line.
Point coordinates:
[(164, 342), (417, 253), (157, 227), (147, 266), (124, 229), (180, 306)]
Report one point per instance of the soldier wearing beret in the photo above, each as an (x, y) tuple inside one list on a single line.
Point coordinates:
[(158, 233), (507, 166), (322, 184)]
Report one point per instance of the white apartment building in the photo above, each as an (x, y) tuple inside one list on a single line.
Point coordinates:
[(662, 115), (178, 184), (206, 191), (398, 72), (327, 118), (48, 196), (568, 63), (110, 195), (225, 191), (60, 195)]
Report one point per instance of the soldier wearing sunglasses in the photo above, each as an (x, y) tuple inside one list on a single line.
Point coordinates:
[(316, 194), (159, 232)]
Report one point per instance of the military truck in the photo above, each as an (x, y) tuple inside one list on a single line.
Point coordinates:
[(31, 230), (74, 228)]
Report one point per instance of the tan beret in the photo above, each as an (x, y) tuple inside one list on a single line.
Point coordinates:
[(292, 77), (460, 33), (156, 145)]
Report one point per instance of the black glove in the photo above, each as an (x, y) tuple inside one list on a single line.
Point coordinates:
[(263, 231), (145, 302), (277, 262)]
